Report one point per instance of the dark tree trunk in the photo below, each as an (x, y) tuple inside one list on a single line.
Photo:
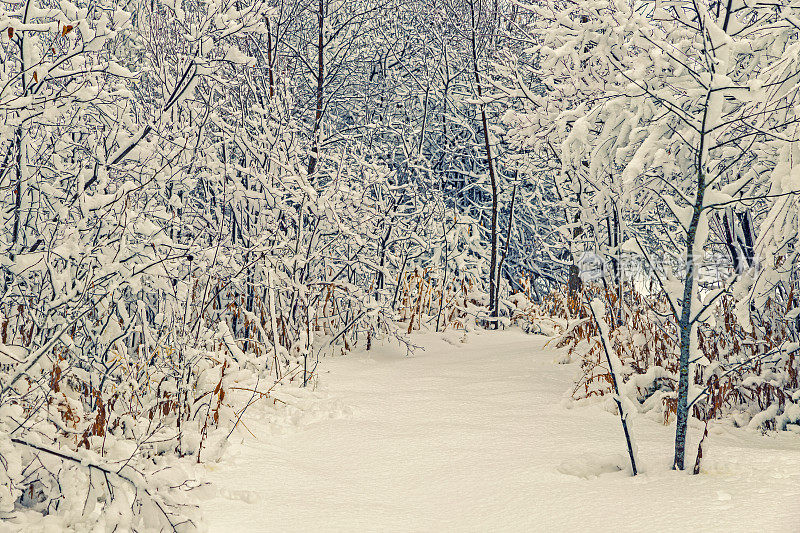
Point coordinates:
[(493, 289), (312, 160)]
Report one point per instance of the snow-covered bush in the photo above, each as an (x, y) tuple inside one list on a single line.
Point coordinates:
[(742, 374), (182, 226)]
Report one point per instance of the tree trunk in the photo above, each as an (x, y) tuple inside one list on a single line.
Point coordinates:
[(493, 289), (507, 246), (312, 160), (686, 325)]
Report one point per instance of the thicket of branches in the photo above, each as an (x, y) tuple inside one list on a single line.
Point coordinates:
[(202, 197), (670, 129)]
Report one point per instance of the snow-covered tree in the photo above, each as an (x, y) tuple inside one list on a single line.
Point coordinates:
[(662, 116)]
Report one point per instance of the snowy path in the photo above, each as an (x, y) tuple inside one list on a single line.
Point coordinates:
[(474, 437)]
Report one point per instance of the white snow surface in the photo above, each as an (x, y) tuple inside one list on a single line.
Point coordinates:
[(481, 436)]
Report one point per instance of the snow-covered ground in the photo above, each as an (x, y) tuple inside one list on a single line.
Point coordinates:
[(477, 436)]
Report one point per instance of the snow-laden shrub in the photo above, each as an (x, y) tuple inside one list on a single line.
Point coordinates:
[(750, 376), (161, 251)]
